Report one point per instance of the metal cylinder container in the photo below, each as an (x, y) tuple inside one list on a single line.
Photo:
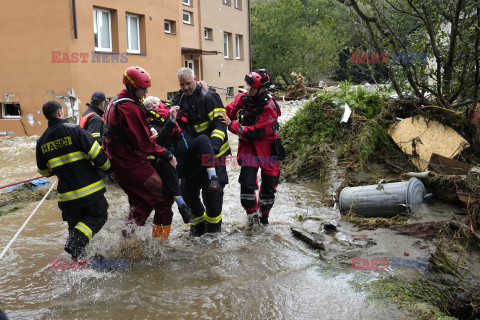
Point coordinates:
[(383, 199)]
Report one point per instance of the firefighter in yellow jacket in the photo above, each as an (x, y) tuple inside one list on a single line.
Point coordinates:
[(68, 151)]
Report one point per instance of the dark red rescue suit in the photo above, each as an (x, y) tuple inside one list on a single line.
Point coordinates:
[(255, 149), (128, 143)]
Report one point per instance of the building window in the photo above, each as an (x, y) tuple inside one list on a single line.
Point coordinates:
[(11, 111), (102, 30), (187, 17), (227, 2), (241, 89), (170, 27), (208, 33), (239, 46), (230, 92), (227, 45), (186, 2), (133, 34), (189, 64), (238, 4)]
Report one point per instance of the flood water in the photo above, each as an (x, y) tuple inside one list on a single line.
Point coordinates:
[(237, 274)]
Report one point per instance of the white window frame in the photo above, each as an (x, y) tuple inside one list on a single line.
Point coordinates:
[(169, 23), (208, 33), (236, 2), (226, 45), (186, 2), (98, 12), (227, 2), (128, 18), (238, 46), (189, 63), (189, 17)]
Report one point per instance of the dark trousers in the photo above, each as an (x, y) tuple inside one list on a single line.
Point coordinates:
[(189, 159), (83, 224), (144, 189), (93, 216), (248, 185), (208, 213), (169, 176)]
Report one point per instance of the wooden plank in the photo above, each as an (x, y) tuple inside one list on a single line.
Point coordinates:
[(448, 166), (420, 137)]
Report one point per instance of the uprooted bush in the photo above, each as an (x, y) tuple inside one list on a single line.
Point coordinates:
[(314, 136)]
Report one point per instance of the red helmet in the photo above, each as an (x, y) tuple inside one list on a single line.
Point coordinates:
[(137, 77), (258, 78)]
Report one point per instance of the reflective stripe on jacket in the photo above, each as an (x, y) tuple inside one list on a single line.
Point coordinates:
[(199, 114), (68, 151)]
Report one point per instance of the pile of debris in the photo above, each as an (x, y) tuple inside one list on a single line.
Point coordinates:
[(297, 90)]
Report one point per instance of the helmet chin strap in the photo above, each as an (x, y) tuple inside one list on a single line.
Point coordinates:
[(132, 90), (253, 100)]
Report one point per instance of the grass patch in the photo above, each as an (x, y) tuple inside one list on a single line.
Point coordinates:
[(424, 299), (373, 223), (2, 212)]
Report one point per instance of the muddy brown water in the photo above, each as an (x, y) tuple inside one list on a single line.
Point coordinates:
[(237, 274)]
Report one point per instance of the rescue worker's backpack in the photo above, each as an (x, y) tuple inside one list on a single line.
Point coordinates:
[(112, 131)]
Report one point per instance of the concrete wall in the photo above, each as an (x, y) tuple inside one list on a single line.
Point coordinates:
[(190, 32), (191, 35)]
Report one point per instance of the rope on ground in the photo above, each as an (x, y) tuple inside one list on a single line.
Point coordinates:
[(26, 221)]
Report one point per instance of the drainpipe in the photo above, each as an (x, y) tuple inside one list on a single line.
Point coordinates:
[(249, 37), (74, 12)]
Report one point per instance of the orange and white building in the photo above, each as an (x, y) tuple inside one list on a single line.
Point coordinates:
[(66, 50)]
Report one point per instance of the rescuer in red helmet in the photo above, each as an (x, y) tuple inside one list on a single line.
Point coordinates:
[(128, 142), (253, 117)]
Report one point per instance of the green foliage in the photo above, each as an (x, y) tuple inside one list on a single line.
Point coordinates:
[(447, 32), (10, 210), (311, 125), (309, 136), (371, 137), (365, 103), (286, 38), (424, 299)]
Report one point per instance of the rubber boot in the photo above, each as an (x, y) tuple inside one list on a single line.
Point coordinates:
[(264, 219), (76, 243), (161, 231), (214, 227), (198, 229), (253, 219)]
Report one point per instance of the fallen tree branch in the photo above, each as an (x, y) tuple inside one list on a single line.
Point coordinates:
[(457, 225)]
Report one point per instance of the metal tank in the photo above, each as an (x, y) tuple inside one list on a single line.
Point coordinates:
[(383, 199)]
